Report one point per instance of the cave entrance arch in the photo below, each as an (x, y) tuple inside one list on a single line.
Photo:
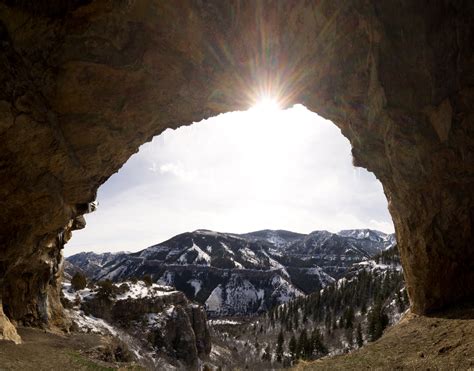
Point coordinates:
[(265, 168), (86, 83)]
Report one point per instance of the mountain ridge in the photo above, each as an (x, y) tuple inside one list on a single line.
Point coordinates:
[(241, 274)]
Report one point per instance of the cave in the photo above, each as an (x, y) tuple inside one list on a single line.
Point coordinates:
[(85, 83)]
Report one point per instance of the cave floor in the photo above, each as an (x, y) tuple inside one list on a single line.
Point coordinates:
[(444, 341), (42, 350), (439, 342)]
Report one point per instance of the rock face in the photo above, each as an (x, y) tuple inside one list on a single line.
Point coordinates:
[(84, 83), (7, 330), (157, 315)]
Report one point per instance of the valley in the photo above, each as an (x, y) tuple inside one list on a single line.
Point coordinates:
[(271, 298)]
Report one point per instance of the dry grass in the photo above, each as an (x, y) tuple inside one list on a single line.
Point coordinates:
[(439, 342), (47, 351)]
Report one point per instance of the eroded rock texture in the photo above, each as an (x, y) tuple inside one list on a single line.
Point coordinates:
[(84, 83), (167, 321)]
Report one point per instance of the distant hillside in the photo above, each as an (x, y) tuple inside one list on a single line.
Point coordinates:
[(341, 318), (235, 274)]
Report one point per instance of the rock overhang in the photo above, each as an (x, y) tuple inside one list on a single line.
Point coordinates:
[(86, 83)]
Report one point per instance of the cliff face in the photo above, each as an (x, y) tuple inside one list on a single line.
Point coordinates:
[(159, 316), (84, 83)]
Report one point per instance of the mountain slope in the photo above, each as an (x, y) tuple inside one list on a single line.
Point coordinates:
[(336, 320), (93, 264), (241, 274)]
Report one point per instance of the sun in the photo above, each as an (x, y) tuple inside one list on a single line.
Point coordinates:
[(266, 105)]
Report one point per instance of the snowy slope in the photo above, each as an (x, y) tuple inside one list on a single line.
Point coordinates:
[(237, 274)]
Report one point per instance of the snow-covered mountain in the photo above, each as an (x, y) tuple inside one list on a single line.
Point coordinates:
[(335, 252), (91, 263), (279, 238), (386, 239), (235, 274)]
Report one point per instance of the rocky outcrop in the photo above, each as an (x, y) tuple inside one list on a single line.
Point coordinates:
[(84, 83), (161, 317), (180, 338), (198, 318), (7, 330)]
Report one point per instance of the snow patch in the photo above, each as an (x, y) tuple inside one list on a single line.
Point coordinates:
[(140, 290), (91, 324), (214, 301), (202, 257), (196, 284), (223, 322), (226, 248), (249, 256)]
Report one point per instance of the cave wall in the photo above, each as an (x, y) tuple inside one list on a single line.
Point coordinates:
[(85, 83)]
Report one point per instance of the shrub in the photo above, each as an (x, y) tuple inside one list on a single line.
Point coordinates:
[(117, 351), (147, 280), (106, 289), (65, 301), (123, 288), (79, 281)]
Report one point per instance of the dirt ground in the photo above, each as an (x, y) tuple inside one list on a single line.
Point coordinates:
[(440, 342), (46, 351)]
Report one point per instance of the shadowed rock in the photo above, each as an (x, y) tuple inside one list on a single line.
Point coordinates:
[(85, 83)]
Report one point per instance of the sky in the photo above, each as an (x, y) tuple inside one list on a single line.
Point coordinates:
[(238, 172)]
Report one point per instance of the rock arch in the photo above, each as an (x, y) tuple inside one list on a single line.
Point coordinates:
[(84, 83)]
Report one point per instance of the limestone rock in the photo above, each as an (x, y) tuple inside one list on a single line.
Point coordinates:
[(7, 330), (179, 337), (198, 319), (85, 83), (166, 319)]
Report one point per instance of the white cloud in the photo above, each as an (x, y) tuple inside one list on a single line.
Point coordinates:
[(178, 171), (236, 172), (381, 225)]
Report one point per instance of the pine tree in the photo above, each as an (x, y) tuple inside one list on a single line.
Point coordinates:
[(400, 302), (349, 318), (371, 320), (359, 339), (308, 349), (296, 318), (78, 281), (279, 349), (302, 344), (292, 347), (349, 336), (377, 321), (405, 298), (382, 322), (363, 309), (318, 343), (147, 280), (334, 323), (267, 355), (106, 289)]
